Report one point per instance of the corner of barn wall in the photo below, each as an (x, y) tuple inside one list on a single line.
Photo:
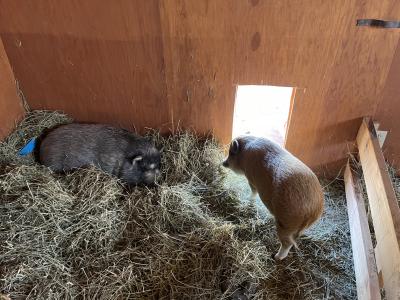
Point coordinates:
[(11, 108)]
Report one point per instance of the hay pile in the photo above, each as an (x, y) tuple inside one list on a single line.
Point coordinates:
[(85, 236)]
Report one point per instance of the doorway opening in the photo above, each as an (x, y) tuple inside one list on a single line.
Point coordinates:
[(262, 110)]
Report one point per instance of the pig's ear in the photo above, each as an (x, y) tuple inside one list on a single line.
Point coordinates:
[(234, 149), (136, 159)]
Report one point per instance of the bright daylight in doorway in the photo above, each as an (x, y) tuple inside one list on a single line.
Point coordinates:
[(262, 110)]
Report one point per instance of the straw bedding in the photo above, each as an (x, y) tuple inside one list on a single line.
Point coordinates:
[(194, 236)]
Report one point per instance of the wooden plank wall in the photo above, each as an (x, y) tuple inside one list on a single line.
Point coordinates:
[(388, 112), (174, 62), (94, 60), (11, 109)]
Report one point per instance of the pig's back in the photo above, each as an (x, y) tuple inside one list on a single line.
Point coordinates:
[(290, 187), (72, 146), (297, 189)]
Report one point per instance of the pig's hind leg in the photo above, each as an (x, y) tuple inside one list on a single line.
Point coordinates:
[(286, 237)]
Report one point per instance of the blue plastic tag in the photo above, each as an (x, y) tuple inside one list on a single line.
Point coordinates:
[(28, 148)]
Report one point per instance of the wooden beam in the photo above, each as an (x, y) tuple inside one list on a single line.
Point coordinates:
[(363, 251), (385, 210)]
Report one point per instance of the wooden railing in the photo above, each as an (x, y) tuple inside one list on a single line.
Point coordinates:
[(377, 267)]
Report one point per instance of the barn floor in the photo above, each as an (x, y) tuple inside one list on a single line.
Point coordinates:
[(194, 236)]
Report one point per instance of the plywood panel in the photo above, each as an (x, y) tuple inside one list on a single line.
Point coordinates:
[(212, 46), (96, 60), (341, 67), (11, 109), (353, 86), (388, 112), (199, 61)]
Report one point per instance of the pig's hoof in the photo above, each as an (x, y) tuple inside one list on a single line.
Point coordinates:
[(278, 256)]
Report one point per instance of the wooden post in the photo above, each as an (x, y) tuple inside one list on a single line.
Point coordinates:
[(363, 252), (385, 211)]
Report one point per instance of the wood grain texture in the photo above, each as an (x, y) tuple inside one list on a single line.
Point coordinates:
[(11, 110), (97, 61), (388, 111), (385, 210), (355, 82), (178, 62), (363, 252), (200, 64)]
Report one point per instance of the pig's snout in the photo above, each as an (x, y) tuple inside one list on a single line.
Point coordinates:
[(225, 163), (151, 176)]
